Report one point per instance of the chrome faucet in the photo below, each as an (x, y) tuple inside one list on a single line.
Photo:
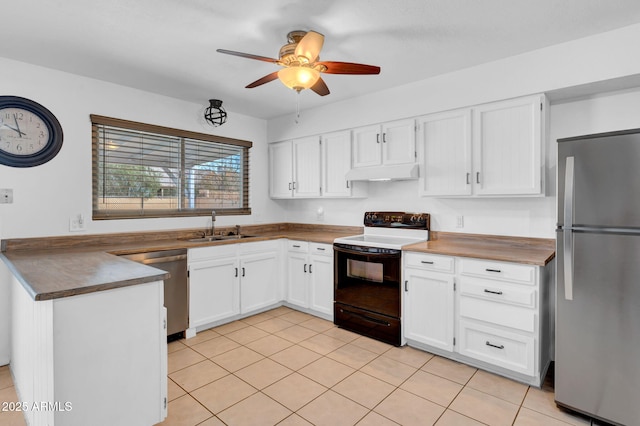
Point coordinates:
[(213, 223), (238, 230)]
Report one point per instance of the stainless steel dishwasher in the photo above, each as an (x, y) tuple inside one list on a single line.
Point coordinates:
[(175, 287)]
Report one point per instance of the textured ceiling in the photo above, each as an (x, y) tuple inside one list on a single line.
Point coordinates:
[(168, 46)]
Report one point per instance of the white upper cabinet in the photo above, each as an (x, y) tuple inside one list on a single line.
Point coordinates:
[(336, 162), (444, 150), (280, 170), (294, 168), (508, 147), (313, 167), (306, 167), (385, 144), (495, 149)]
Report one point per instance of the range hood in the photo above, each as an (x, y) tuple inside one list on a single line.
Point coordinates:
[(381, 173)]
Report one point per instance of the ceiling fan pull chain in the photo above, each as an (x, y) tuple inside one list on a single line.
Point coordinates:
[(297, 107)]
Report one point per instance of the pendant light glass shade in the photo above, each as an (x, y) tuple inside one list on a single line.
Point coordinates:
[(298, 78)]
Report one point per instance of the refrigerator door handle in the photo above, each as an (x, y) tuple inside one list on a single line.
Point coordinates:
[(569, 193)]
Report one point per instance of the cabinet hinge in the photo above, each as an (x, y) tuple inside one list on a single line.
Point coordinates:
[(165, 402), (188, 273)]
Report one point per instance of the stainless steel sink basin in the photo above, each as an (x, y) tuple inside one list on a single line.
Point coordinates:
[(210, 238)]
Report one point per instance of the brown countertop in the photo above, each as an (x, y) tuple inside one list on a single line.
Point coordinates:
[(533, 251), (56, 267)]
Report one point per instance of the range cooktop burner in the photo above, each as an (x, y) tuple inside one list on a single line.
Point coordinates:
[(390, 230)]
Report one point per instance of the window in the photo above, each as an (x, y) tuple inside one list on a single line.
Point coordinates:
[(141, 170)]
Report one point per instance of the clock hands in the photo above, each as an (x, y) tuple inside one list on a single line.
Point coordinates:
[(17, 129), (14, 129)]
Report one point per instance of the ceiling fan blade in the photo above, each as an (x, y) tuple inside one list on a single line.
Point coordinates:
[(349, 68), (247, 55), (320, 87), (310, 45), (259, 82)]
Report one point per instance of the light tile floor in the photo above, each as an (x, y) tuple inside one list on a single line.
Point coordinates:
[(284, 367)]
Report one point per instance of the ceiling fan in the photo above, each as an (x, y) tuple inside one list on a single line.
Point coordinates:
[(302, 68)]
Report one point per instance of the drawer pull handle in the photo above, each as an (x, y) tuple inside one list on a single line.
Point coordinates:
[(427, 262), (488, 343), (493, 270), (492, 291), (320, 248), (296, 246)]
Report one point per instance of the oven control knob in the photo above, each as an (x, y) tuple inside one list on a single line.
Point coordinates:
[(374, 217)]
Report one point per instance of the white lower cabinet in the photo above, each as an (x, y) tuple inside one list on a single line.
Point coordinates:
[(310, 277), (214, 293), (428, 303), (496, 313), (258, 281), (225, 281)]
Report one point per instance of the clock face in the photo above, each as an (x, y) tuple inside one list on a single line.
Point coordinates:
[(30, 135), (22, 132)]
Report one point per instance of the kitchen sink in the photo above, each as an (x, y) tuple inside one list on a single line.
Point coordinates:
[(209, 238)]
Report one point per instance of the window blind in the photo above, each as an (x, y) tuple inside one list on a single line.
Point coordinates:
[(141, 170)]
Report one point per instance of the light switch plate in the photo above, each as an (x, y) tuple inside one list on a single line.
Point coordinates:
[(77, 223)]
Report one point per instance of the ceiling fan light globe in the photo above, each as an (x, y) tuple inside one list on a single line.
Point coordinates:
[(298, 78)]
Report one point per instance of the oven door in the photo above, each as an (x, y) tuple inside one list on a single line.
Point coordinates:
[(368, 280)]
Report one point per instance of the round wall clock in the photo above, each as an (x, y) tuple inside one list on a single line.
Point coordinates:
[(30, 134)]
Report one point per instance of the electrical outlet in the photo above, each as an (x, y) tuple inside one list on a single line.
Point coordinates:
[(460, 222), (6, 196), (77, 223)]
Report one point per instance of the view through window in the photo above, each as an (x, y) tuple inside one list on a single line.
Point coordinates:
[(142, 170)]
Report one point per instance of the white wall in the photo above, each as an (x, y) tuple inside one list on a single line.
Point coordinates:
[(46, 196), (557, 69)]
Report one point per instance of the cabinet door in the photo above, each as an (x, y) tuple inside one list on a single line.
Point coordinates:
[(444, 152), (321, 291), (336, 162), (306, 167), (366, 146), (280, 170), (297, 267), (399, 142), (213, 291), (259, 281), (428, 308), (507, 147)]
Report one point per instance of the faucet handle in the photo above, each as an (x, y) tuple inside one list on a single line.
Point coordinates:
[(237, 229)]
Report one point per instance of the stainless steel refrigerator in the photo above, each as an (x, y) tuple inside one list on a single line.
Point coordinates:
[(597, 362)]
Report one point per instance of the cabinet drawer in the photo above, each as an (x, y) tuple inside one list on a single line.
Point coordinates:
[(321, 249), (524, 274), (503, 349), (430, 262), (299, 246), (498, 292), (498, 313)]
